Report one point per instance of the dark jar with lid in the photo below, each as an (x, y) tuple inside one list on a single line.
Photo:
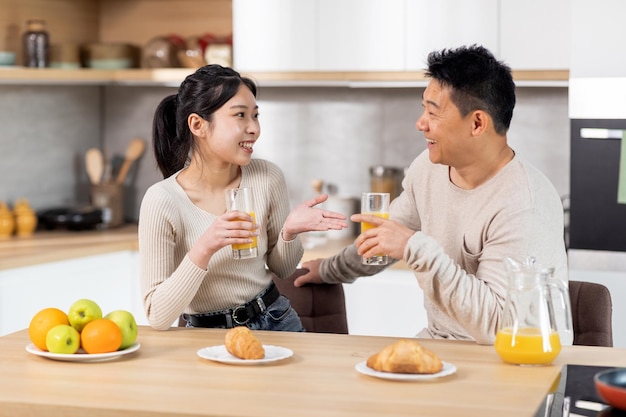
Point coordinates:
[(385, 179), (35, 44)]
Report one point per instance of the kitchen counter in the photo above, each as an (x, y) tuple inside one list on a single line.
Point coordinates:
[(166, 377), (60, 245)]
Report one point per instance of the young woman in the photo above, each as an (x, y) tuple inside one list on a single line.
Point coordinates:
[(203, 140)]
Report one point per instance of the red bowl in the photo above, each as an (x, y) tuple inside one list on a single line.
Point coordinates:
[(611, 386)]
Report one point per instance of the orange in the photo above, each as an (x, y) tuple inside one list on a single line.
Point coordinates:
[(43, 321), (101, 336)]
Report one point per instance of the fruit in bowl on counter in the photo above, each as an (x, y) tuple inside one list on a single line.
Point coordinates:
[(90, 332), (82, 312), (127, 324), (63, 338), (42, 322), (101, 336)]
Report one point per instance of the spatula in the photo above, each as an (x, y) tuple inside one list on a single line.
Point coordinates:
[(94, 164), (133, 152)]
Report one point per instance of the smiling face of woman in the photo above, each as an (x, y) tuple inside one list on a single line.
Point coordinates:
[(234, 128)]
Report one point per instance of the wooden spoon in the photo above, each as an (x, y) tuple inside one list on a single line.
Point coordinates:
[(94, 164), (133, 152)]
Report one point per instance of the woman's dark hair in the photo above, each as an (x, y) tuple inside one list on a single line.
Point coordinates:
[(478, 81), (203, 93)]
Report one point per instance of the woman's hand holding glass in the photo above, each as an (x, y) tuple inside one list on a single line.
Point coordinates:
[(230, 228)]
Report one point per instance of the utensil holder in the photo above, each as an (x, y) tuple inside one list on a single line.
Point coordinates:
[(109, 198)]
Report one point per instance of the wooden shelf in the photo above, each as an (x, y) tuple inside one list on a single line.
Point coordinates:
[(85, 76), (174, 76)]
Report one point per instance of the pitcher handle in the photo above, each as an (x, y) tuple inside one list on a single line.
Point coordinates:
[(564, 321)]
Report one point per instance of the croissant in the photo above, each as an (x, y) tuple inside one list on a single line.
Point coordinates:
[(241, 343), (405, 357)]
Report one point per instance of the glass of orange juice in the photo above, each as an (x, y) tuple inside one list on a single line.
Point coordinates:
[(240, 199), (375, 204)]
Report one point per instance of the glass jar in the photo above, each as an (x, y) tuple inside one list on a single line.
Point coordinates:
[(386, 180), (35, 44)]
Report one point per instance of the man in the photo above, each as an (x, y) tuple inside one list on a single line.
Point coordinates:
[(467, 203)]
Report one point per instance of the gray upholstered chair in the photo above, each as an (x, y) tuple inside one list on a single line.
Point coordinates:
[(321, 307), (591, 313)]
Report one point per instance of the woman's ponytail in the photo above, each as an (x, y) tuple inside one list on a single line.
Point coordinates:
[(170, 151)]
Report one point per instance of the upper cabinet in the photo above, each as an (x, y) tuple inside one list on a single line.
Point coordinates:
[(357, 35), (536, 34), (598, 39), (434, 25), (394, 37), (309, 42), (318, 35), (275, 35)]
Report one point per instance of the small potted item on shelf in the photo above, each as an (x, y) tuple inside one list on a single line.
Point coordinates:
[(65, 56), (110, 55), (7, 59)]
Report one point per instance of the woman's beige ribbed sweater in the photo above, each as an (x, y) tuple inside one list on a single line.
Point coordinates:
[(169, 224)]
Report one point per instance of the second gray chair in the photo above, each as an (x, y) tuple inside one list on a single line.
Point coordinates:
[(592, 312)]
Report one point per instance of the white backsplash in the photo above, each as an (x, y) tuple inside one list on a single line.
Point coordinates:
[(334, 134), (45, 131)]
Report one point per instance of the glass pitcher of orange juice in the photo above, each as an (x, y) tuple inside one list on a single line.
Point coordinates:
[(537, 315)]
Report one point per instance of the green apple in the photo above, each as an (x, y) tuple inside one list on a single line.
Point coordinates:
[(127, 324), (63, 338), (82, 312)]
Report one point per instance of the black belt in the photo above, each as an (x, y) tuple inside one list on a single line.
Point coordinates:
[(239, 315)]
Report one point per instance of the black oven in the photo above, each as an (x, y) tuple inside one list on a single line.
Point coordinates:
[(597, 212)]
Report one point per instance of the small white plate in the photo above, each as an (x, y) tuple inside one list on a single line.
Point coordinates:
[(220, 354), (81, 356), (448, 369)]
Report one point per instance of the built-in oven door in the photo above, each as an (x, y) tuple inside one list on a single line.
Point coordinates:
[(597, 217)]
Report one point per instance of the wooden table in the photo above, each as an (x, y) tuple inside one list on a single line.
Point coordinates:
[(167, 378)]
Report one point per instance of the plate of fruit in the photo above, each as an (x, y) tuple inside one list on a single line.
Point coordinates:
[(83, 334)]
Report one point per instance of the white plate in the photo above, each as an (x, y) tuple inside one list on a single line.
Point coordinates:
[(448, 369), (220, 354), (81, 356)]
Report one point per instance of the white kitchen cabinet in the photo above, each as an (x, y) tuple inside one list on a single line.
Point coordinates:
[(274, 35), (598, 42), (536, 34), (359, 35), (434, 25), (111, 280), (386, 304), (318, 35)]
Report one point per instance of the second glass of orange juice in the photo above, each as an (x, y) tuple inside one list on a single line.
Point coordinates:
[(240, 199), (375, 204)]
